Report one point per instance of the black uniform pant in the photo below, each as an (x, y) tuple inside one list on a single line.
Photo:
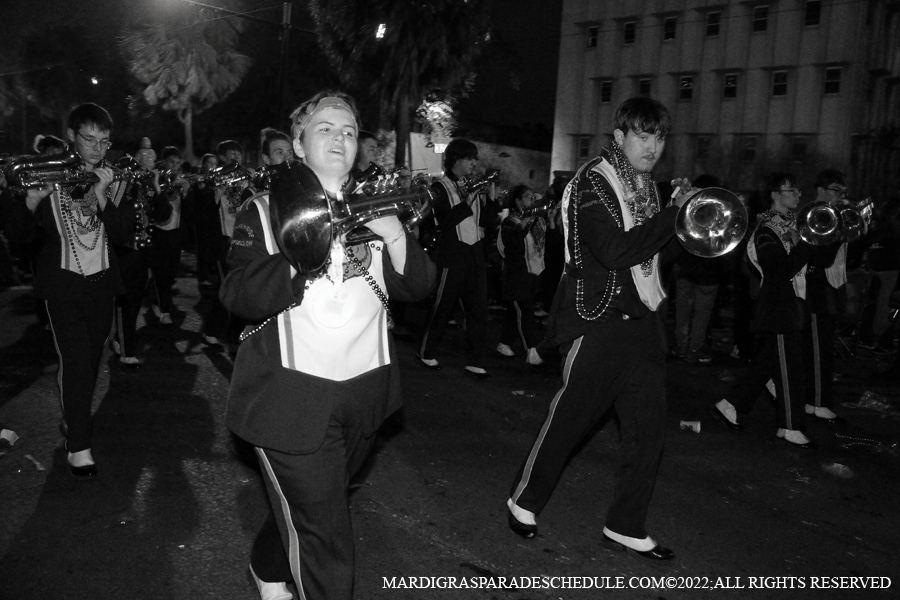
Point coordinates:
[(519, 323), (818, 360), (80, 326), (468, 283), (219, 322), (133, 265), (166, 253), (312, 538), (779, 359), (620, 363)]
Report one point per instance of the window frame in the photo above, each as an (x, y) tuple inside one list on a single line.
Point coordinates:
[(808, 12), (649, 82), (796, 141), (756, 20), (606, 86), (682, 79), (716, 25), (834, 82), (632, 27), (726, 88), (776, 91), (743, 148), (593, 37), (702, 148), (674, 30), (582, 147)]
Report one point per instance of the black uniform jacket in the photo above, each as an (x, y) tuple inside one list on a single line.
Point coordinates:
[(606, 248)]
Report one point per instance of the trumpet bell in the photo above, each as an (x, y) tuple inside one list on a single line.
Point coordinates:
[(711, 222), (301, 216), (819, 224)]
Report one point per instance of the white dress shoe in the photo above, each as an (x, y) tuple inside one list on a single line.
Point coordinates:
[(534, 359), (271, 590), (505, 351)]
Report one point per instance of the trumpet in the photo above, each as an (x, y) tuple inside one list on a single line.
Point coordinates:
[(821, 224), (229, 174), (539, 209), (478, 182), (711, 222), (306, 221), (33, 171)]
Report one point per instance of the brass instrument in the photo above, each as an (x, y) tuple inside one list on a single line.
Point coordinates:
[(306, 220), (476, 183), (711, 222), (539, 209), (262, 179), (34, 171), (821, 224), (229, 174)]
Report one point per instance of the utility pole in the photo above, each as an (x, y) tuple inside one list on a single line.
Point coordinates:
[(285, 48)]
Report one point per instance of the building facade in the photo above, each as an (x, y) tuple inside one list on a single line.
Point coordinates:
[(753, 86)]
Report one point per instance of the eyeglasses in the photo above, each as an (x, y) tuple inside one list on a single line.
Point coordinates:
[(837, 190), (93, 144), (789, 191)]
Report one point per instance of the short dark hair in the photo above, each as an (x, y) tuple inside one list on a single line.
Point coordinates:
[(774, 182), (227, 146), (269, 135), (170, 151), (641, 114), (90, 114), (207, 156), (49, 144), (457, 150), (829, 177), (517, 193)]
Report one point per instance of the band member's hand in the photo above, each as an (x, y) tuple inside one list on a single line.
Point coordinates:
[(105, 175), (682, 190), (387, 228), (35, 195)]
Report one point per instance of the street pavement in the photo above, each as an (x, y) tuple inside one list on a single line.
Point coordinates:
[(179, 499)]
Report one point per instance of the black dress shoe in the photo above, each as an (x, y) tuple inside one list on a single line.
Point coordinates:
[(655, 553), (721, 416), (85, 472), (129, 366), (481, 376), (435, 367), (520, 528)]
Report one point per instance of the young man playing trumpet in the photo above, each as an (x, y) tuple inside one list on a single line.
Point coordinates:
[(76, 273), (605, 321)]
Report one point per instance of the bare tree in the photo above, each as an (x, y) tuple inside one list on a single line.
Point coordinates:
[(396, 51), (186, 68)]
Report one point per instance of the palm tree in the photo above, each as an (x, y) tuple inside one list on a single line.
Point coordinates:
[(186, 69), (397, 51)]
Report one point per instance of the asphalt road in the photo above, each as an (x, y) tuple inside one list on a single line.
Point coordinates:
[(179, 499)]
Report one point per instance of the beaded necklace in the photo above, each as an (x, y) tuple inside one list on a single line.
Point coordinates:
[(360, 269), (640, 193), (72, 222)]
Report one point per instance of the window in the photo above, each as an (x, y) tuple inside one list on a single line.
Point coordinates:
[(760, 18), (606, 91), (748, 148), (832, 80), (813, 13), (669, 28), (730, 89), (584, 147), (799, 149), (592, 34), (630, 31), (779, 83), (712, 23), (702, 150), (686, 88), (644, 87)]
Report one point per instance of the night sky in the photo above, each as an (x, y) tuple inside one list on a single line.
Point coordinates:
[(528, 27)]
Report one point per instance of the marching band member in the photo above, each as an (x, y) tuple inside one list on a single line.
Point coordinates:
[(605, 319), (77, 273), (522, 240), (319, 373), (168, 236), (781, 256), (462, 218)]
